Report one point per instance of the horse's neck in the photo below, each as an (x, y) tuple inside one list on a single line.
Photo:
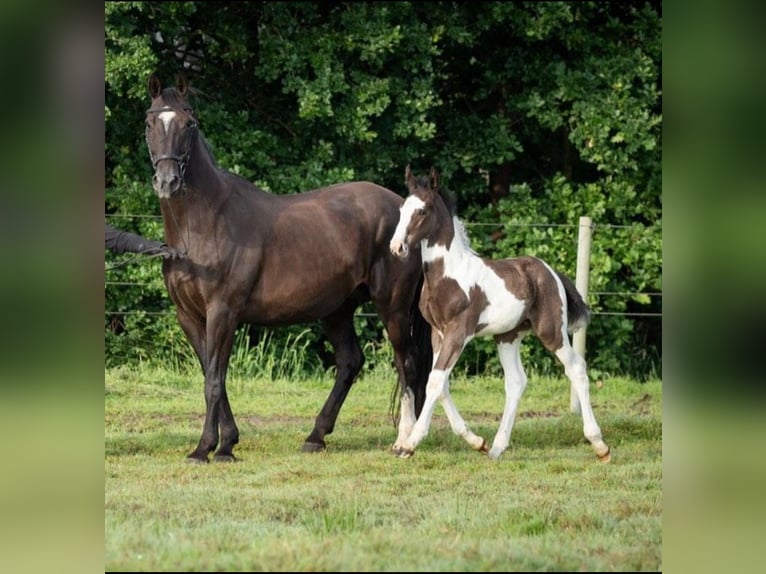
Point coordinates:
[(448, 245)]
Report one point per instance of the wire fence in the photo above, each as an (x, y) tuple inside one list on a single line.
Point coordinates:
[(509, 224)]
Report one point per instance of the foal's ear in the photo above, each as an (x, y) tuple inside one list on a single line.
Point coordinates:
[(182, 84), (409, 179), (154, 86), (434, 179)]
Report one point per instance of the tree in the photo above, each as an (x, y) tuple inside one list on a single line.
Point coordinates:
[(533, 113)]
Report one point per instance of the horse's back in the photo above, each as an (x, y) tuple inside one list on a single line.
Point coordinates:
[(358, 212)]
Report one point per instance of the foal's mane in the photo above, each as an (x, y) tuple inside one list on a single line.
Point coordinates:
[(450, 201)]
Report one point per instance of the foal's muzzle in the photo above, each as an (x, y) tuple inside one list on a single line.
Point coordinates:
[(399, 248)]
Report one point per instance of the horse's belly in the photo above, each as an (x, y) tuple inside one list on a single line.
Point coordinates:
[(500, 316), (296, 301)]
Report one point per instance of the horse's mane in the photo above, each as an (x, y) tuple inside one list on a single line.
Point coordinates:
[(450, 201)]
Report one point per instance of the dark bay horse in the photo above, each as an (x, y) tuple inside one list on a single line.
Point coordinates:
[(270, 260), (466, 296)]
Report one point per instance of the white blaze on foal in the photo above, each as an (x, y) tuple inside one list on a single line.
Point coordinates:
[(465, 295)]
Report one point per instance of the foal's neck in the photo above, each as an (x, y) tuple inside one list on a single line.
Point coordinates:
[(447, 243)]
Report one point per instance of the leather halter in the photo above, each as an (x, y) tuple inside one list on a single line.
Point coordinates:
[(183, 159)]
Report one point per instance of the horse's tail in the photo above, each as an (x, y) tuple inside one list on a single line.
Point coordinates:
[(578, 315), (419, 358)]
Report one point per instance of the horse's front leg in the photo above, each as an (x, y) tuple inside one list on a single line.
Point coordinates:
[(220, 336), (447, 349), (195, 330), (403, 447), (214, 349)]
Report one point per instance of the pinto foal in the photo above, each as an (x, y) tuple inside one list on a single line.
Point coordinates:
[(465, 296)]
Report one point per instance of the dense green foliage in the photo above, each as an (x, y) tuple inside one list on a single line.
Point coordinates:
[(534, 113)]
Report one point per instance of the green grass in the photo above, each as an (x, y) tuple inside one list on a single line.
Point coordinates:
[(547, 504)]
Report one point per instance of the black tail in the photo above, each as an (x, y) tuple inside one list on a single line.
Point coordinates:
[(578, 315), (419, 359)]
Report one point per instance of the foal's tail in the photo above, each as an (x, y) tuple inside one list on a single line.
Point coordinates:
[(419, 358), (578, 315)]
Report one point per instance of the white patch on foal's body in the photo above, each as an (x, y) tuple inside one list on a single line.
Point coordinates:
[(166, 118), (468, 269)]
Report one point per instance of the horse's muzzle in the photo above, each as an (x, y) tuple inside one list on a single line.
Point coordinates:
[(166, 183), (399, 248)]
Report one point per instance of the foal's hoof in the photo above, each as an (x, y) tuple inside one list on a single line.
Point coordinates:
[(483, 448), (402, 452), (313, 446), (606, 457)]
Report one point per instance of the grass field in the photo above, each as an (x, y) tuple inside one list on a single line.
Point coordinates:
[(547, 504)]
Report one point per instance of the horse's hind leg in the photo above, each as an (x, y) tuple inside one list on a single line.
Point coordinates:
[(508, 349), (349, 359), (397, 328), (574, 366), (458, 424)]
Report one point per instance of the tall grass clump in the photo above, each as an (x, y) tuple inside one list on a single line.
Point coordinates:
[(288, 357)]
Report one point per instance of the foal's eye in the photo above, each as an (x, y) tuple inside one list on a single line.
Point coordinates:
[(421, 211)]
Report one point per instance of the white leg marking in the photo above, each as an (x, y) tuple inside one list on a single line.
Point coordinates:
[(515, 383), (458, 424), (574, 366), (406, 418), (437, 382)]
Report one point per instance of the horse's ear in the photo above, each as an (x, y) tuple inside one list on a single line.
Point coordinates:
[(182, 84), (154, 86), (434, 178), (409, 179)]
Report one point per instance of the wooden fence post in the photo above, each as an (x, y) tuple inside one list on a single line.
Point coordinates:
[(581, 282)]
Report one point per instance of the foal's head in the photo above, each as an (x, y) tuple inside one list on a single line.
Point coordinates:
[(171, 129), (421, 213)]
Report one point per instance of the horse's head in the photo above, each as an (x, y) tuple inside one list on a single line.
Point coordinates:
[(171, 129), (417, 215)]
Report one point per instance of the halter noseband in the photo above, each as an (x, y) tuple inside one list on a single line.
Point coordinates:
[(183, 159)]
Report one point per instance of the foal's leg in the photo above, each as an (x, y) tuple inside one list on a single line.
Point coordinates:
[(339, 329), (397, 328), (459, 427), (447, 350), (574, 366), (508, 348)]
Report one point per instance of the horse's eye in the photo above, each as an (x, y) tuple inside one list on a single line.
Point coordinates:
[(421, 211)]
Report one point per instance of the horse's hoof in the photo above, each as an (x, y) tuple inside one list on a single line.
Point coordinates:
[(224, 458), (313, 447), (483, 448), (196, 459), (606, 457), (402, 452)]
